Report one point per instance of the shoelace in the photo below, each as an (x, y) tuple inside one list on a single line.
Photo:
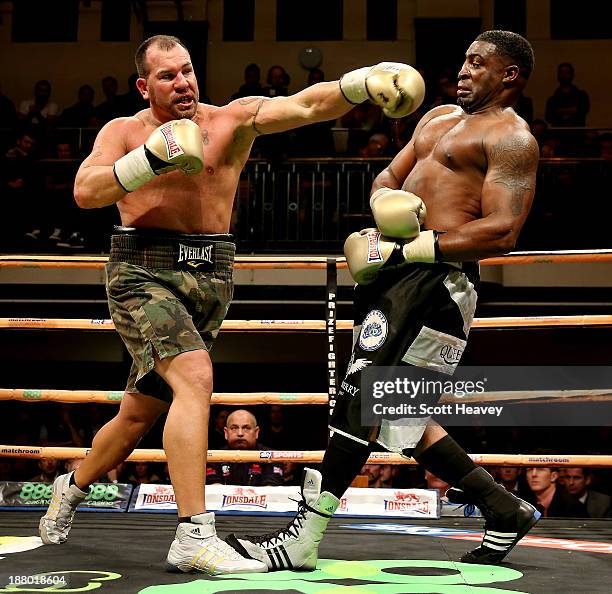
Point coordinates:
[(281, 535)]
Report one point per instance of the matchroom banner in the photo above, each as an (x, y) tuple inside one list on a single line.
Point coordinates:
[(227, 499), (101, 497)]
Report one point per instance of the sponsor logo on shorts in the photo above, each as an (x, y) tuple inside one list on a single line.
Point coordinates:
[(195, 256), (373, 331), (451, 354), (357, 365), (173, 149), (374, 254), (349, 389)]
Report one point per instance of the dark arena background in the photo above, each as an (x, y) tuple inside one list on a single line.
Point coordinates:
[(67, 69)]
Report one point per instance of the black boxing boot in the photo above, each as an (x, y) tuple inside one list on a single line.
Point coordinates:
[(507, 517)]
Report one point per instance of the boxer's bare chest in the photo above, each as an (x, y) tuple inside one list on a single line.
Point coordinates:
[(455, 141)]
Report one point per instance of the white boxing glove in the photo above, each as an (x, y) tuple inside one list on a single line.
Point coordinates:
[(398, 214), (174, 145), (398, 88)]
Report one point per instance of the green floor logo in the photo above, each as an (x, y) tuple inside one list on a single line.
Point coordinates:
[(380, 576)]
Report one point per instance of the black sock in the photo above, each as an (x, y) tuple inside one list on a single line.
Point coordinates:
[(189, 519), (342, 462), (447, 460), (71, 482)]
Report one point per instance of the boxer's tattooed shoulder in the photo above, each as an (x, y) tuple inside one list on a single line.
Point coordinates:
[(205, 136), (261, 102), (96, 151), (515, 161)]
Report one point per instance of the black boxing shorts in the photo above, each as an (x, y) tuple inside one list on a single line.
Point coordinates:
[(420, 315)]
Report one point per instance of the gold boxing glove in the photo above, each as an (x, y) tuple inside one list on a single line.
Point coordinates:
[(366, 252), (398, 214), (174, 145), (398, 88)]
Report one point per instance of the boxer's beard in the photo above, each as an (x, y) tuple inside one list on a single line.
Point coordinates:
[(174, 109)]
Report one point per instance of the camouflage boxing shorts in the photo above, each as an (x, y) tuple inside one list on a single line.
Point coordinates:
[(168, 293)]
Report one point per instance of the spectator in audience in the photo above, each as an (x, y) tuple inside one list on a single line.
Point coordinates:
[(378, 146), (118, 474), (577, 481), (216, 436), (277, 82), (241, 433), (445, 90), (8, 113), (386, 478), (252, 83), (18, 183), (165, 475), (81, 114), (72, 464), (131, 102), (433, 482), (49, 471), (39, 112), (142, 473), (58, 429), (551, 500), (548, 144), (569, 105), (363, 120), (372, 471), (61, 214), (278, 436), (605, 146), (109, 109), (511, 478), (292, 474)]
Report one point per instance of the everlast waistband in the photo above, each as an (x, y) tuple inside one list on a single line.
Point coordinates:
[(160, 248)]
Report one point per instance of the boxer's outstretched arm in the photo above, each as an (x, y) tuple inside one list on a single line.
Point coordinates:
[(95, 184), (397, 88), (317, 103), (507, 194)]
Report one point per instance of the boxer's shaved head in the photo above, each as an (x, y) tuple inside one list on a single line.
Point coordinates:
[(163, 42)]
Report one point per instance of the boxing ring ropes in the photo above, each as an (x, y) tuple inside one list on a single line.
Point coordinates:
[(330, 325)]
